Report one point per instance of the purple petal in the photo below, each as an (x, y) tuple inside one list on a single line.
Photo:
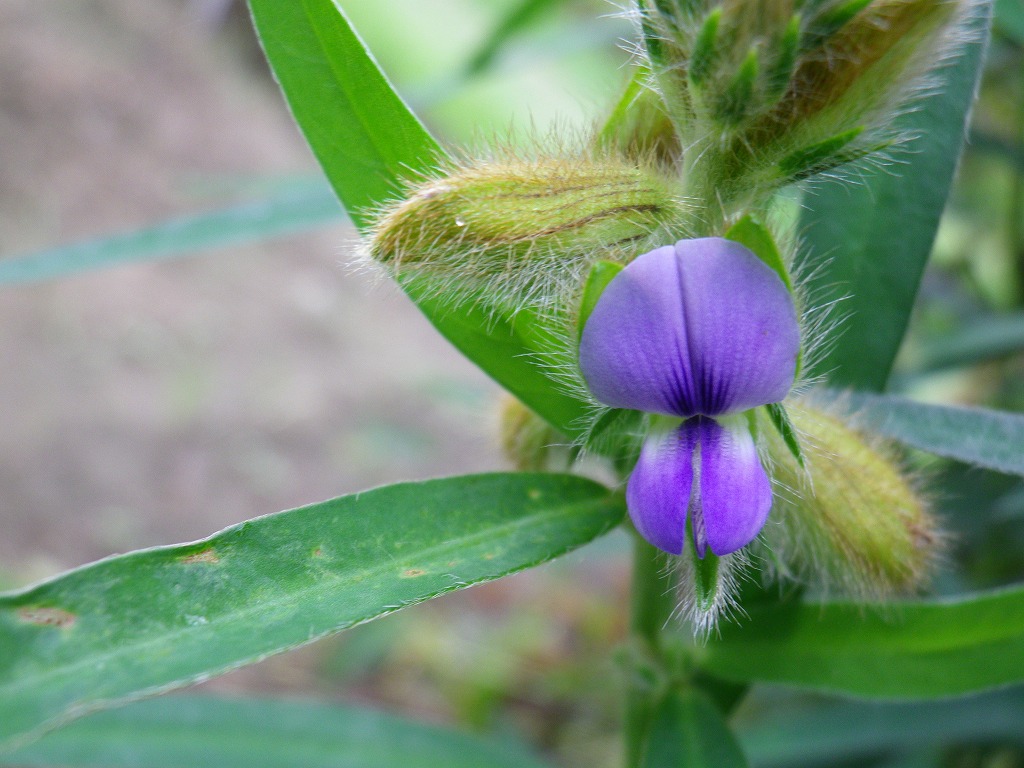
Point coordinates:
[(632, 351), (701, 327), (658, 492), (735, 493)]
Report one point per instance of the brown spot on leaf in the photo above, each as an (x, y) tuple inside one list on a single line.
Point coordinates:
[(318, 552), (47, 617), (206, 556), (412, 573)]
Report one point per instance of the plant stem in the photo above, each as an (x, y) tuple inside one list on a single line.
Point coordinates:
[(652, 602), (1016, 228)]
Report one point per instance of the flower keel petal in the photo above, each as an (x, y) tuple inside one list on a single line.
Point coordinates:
[(658, 492), (735, 492)]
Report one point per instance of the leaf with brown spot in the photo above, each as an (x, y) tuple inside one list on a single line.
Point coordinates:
[(47, 617), (205, 556), (165, 617)]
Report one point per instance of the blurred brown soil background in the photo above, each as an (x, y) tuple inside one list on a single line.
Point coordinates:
[(157, 403)]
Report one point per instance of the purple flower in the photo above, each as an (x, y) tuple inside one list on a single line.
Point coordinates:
[(699, 330)]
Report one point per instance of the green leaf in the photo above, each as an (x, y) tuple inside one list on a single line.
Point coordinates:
[(517, 19), (155, 619), (293, 210), (831, 20), (176, 731), (984, 339), (868, 243), (978, 436), (639, 126), (787, 52), (824, 155), (1010, 20), (900, 650), (842, 733), (704, 48), (735, 101), (624, 112), (688, 732), (368, 142), (365, 137)]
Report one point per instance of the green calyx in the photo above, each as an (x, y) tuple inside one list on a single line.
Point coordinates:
[(703, 56)]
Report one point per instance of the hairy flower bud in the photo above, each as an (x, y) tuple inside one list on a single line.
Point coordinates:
[(528, 441), (849, 520), (767, 92), (512, 227), (855, 80)]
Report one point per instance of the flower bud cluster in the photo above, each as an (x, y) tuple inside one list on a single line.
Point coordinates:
[(769, 92)]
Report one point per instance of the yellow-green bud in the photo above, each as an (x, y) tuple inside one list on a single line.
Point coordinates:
[(850, 520), (527, 440), (512, 227)]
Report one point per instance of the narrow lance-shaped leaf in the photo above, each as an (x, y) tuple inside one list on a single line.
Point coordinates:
[(978, 436), (155, 619), (292, 210), (982, 339), (847, 731), (903, 650), (638, 125), (175, 731), (365, 137), (689, 732), (368, 142), (513, 23), (868, 243)]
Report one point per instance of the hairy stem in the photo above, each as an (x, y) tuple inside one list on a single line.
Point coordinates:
[(1016, 228), (653, 599)]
